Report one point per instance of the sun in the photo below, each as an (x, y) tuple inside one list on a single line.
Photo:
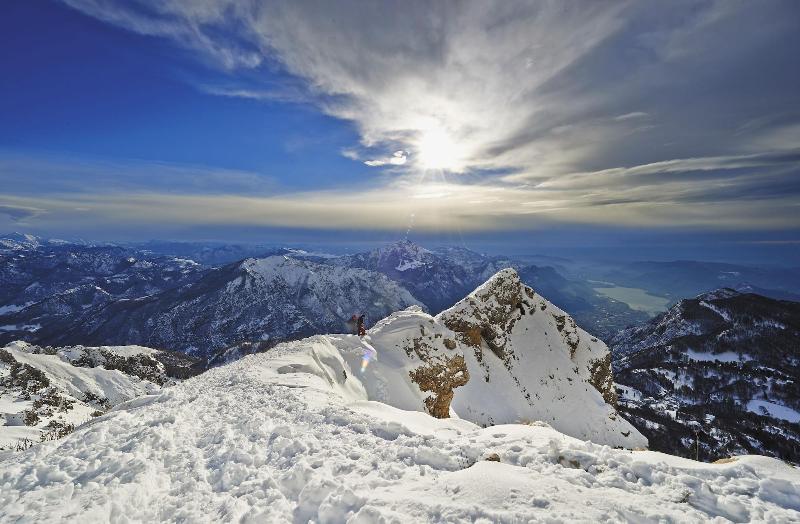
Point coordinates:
[(436, 150)]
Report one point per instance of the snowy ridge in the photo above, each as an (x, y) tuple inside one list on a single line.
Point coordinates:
[(451, 364), (45, 392), (289, 436)]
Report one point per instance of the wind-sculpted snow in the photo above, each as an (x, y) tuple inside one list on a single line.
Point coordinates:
[(289, 436)]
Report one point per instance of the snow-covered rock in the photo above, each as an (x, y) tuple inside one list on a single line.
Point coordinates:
[(291, 435), (531, 361), (501, 355), (46, 392)]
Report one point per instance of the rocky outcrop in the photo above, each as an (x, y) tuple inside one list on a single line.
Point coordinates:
[(440, 379), (53, 390)]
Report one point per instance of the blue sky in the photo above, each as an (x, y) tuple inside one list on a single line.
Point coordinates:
[(526, 126)]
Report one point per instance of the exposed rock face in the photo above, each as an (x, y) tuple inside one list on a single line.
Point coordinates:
[(441, 379), (602, 379)]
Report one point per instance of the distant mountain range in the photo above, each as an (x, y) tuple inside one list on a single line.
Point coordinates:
[(58, 293), (267, 299), (723, 368)]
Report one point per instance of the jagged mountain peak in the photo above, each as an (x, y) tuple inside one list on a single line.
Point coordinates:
[(403, 255), (404, 244), (504, 287)]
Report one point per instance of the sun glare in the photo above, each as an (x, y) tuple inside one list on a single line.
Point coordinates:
[(437, 150)]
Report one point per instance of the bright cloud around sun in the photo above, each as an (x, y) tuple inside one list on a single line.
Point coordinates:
[(560, 107)]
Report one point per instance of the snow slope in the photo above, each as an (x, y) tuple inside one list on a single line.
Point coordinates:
[(45, 392), (289, 436)]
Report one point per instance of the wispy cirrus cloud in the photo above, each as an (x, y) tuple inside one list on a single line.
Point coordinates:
[(630, 116)]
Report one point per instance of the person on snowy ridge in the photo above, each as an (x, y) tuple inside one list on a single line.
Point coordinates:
[(361, 329)]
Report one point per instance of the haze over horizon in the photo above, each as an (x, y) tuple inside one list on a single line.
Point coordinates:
[(633, 129)]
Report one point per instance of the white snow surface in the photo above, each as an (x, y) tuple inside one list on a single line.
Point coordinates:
[(285, 437), (726, 356), (774, 410)]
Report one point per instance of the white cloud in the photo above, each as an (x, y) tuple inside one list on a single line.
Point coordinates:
[(631, 116), (397, 159), (466, 74)]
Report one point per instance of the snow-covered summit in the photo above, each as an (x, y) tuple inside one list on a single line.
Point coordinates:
[(406, 252), (523, 349), (291, 435)]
